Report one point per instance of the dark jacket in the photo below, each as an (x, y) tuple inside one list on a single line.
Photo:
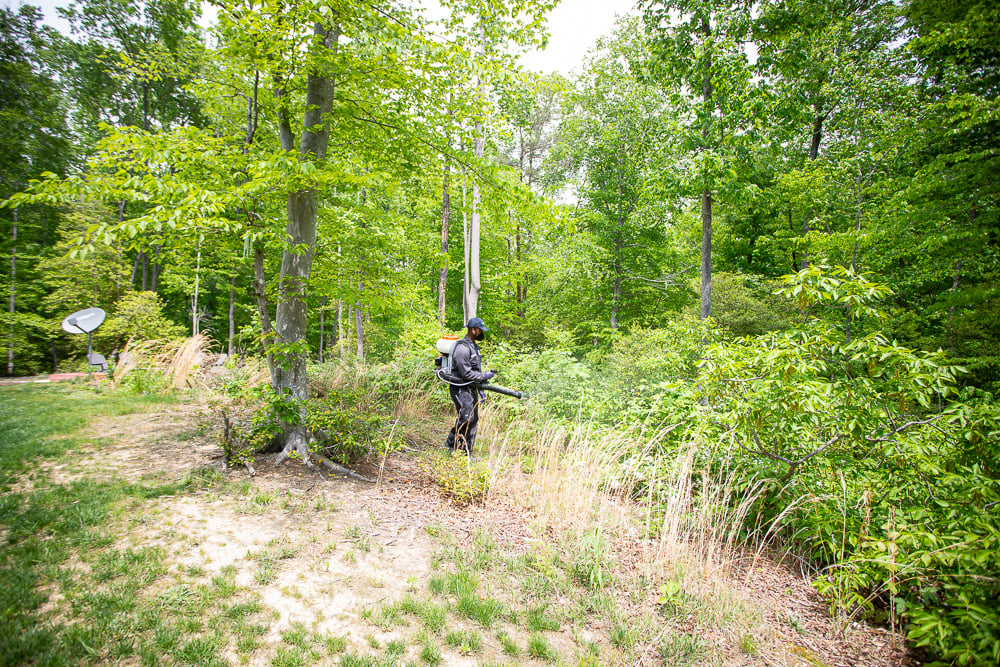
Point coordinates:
[(465, 362)]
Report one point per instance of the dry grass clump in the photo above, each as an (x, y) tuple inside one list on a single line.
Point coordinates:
[(175, 361), (657, 505)]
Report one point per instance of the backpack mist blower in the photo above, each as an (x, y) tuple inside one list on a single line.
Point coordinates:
[(443, 370)]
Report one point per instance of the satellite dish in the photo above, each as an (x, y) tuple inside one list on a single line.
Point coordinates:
[(83, 321)]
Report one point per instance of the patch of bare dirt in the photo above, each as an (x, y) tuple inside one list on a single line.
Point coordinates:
[(353, 545)]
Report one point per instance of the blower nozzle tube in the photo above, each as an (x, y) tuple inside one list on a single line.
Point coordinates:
[(500, 390)]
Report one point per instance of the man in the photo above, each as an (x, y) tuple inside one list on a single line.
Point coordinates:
[(465, 365)]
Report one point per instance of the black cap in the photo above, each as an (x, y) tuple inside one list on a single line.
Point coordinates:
[(477, 323)]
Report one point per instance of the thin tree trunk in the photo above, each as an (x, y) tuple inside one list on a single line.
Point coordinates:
[(322, 323), (145, 271), (359, 326), (706, 254), (340, 328), (474, 284), (350, 316), (263, 314), (706, 195), (445, 218), (13, 297), (232, 312), (194, 299), (135, 270), (465, 254), (156, 268), (951, 310), (814, 143)]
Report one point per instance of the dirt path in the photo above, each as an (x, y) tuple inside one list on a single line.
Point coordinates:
[(348, 548)]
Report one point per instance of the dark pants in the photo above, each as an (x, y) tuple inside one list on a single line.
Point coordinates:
[(463, 434)]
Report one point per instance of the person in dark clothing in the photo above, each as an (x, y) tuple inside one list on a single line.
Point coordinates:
[(465, 364)]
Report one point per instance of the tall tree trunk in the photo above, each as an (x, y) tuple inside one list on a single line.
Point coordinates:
[(13, 297), (706, 195), (445, 218), (706, 254), (471, 298), (296, 258), (951, 310), (465, 255), (814, 143), (194, 298), (145, 270), (135, 270), (156, 268), (359, 330), (340, 328), (232, 312), (263, 308), (322, 323)]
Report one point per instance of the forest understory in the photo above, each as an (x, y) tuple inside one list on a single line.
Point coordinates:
[(195, 563)]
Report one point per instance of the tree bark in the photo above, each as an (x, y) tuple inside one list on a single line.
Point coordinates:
[(706, 195), (340, 328), (471, 298), (445, 218), (232, 312), (194, 298), (322, 323), (814, 143), (465, 255), (359, 330), (13, 297), (296, 259), (263, 308)]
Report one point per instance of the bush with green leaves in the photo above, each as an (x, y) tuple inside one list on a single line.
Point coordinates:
[(344, 426), (136, 316), (877, 472)]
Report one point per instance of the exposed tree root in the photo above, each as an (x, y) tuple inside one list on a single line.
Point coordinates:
[(341, 470)]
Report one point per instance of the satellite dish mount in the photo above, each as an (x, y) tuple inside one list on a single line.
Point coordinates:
[(85, 321)]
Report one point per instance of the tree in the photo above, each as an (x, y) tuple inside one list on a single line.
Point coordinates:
[(32, 120), (699, 57), (608, 135)]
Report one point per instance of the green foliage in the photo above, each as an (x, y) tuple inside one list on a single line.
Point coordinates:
[(872, 475), (344, 426), (137, 316), (460, 478)]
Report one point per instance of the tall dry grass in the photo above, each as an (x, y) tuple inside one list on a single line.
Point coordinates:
[(644, 494), (175, 361)]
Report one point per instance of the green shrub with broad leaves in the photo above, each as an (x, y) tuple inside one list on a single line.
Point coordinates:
[(878, 470), (344, 426)]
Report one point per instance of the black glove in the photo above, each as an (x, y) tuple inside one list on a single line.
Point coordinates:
[(489, 376)]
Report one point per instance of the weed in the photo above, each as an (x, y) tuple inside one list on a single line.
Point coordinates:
[(483, 611), (681, 649), (395, 648), (335, 645), (540, 649), (286, 657), (537, 620), (622, 636), (748, 644), (430, 654), (466, 643), (437, 584), (508, 644)]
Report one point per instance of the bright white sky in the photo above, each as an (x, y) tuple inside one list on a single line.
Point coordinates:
[(574, 26)]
